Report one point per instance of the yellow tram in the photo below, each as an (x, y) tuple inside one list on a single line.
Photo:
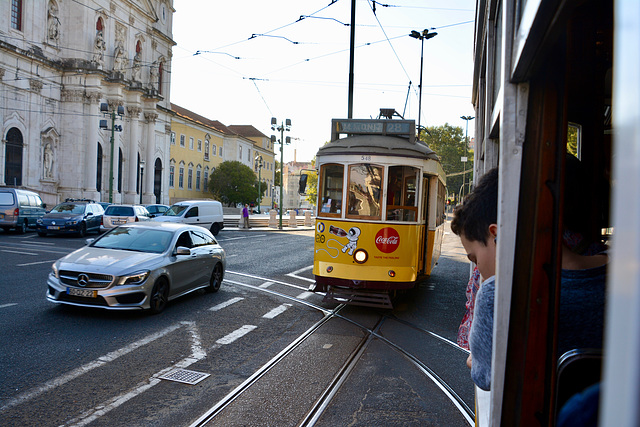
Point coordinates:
[(380, 218)]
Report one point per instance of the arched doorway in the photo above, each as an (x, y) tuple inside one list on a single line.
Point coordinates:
[(157, 179), (13, 158)]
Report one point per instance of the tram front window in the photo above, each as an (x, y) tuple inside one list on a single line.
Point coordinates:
[(401, 193), (365, 181), (331, 180)]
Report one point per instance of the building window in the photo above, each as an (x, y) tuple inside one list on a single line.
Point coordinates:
[(190, 179), (205, 181), (173, 138), (181, 178), (206, 149), (220, 152), (214, 149), (240, 156), (198, 176), (16, 14), (249, 155), (172, 171), (200, 145), (181, 140), (190, 143)]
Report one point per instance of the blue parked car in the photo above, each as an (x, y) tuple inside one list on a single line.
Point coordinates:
[(73, 216)]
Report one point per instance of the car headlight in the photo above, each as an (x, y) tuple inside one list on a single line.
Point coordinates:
[(134, 279), (72, 221), (54, 267), (39, 220)]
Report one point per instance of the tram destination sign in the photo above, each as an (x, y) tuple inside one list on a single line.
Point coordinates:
[(400, 128)]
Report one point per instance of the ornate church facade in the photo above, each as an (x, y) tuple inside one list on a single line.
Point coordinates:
[(84, 98)]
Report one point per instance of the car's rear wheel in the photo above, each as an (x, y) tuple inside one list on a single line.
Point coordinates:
[(22, 227), (82, 230), (216, 279), (215, 229), (159, 296)]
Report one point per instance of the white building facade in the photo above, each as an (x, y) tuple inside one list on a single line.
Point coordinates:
[(65, 66)]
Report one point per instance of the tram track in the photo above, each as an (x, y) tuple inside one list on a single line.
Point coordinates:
[(342, 374)]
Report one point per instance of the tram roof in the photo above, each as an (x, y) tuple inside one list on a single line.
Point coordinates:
[(378, 144)]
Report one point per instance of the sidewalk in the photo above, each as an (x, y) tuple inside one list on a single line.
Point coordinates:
[(260, 223)]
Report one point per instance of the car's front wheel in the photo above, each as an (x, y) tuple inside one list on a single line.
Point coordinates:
[(215, 229), (82, 229), (159, 296), (216, 279)]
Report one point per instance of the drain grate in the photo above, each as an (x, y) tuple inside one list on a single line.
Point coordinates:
[(185, 376)]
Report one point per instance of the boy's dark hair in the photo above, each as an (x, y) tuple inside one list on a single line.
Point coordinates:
[(479, 210)]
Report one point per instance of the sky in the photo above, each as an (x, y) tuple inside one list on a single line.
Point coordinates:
[(242, 62)]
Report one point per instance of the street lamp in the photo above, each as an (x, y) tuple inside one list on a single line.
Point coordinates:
[(141, 178), (421, 36), (259, 167), (104, 108), (283, 126), (466, 144)]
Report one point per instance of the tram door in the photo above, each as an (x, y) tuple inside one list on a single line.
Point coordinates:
[(424, 259)]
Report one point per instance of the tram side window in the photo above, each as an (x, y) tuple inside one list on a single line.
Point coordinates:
[(365, 190), (440, 216), (401, 193), (331, 178)]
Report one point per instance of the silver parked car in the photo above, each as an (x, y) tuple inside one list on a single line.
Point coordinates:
[(139, 266)]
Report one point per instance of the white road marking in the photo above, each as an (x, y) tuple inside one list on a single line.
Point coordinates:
[(295, 274), (238, 333), (240, 238), (17, 252), (197, 353), (266, 285), (8, 305), (75, 373), (305, 295), (276, 311), (36, 262), (226, 304)]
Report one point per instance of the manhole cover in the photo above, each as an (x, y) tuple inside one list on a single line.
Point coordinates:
[(185, 376)]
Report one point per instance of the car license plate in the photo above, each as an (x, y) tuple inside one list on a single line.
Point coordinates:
[(120, 221), (82, 292), (53, 227)]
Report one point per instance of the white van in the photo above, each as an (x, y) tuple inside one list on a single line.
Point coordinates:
[(205, 213)]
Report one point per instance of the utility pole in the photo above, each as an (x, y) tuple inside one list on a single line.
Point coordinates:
[(259, 165), (351, 58), (421, 36), (104, 108), (283, 126)]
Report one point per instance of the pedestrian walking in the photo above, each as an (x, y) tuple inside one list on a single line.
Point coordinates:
[(245, 217)]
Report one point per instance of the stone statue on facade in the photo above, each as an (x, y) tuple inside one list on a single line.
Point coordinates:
[(135, 72), (119, 57), (53, 24), (47, 161), (153, 75), (99, 47)]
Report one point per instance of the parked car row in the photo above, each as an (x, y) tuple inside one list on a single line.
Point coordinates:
[(22, 209)]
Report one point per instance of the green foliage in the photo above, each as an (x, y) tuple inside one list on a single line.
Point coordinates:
[(448, 142), (312, 186), (233, 183), (276, 178)]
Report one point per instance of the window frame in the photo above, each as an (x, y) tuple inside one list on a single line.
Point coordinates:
[(321, 191), (380, 191)]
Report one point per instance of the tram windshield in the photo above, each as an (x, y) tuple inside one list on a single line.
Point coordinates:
[(332, 178), (365, 191), (401, 193)]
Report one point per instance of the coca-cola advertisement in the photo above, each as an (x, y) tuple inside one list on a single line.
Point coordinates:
[(387, 240)]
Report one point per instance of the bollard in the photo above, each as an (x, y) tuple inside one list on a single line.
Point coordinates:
[(293, 222), (308, 222), (273, 219)]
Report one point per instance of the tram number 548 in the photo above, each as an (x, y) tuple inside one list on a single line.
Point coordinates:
[(365, 158)]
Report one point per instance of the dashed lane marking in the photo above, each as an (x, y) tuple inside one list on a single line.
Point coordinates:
[(266, 285), (35, 263), (226, 304), (277, 311), (8, 305), (17, 252), (238, 333)]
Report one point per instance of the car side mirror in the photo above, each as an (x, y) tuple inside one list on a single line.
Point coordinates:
[(89, 241), (181, 250), (89, 214)]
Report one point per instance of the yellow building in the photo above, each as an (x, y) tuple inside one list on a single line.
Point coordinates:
[(199, 145), (263, 160), (196, 150)]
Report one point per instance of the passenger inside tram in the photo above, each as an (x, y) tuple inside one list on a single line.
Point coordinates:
[(583, 275)]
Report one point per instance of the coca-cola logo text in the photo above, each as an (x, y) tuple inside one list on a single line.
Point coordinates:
[(387, 240)]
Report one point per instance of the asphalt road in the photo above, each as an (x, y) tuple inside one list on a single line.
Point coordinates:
[(72, 366)]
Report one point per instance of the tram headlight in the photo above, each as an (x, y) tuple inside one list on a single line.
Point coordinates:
[(329, 269), (360, 256), (392, 273)]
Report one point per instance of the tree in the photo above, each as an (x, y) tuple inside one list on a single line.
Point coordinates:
[(448, 143), (276, 177), (233, 183), (312, 185)]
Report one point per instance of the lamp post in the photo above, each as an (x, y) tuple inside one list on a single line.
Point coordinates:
[(421, 36), (104, 108), (141, 178), (259, 166), (283, 126), (466, 144)]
